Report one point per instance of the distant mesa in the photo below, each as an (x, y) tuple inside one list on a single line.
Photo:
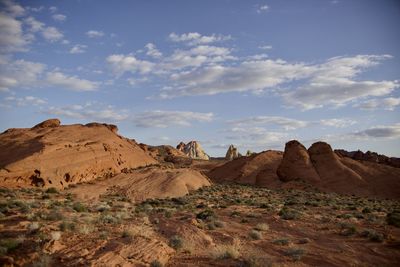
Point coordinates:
[(369, 156), (193, 150), (54, 155), (232, 153)]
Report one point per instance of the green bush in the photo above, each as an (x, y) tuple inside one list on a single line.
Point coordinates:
[(393, 218), (176, 242)]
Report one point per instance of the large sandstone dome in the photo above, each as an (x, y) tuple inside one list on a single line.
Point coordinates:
[(296, 164), (54, 155)]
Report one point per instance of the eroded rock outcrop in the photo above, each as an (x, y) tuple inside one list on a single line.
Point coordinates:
[(193, 150), (296, 164), (232, 153), (332, 171), (54, 155)]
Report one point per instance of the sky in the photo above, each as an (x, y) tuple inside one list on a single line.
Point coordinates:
[(255, 74)]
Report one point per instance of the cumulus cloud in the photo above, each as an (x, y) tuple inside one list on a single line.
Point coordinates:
[(265, 47), (34, 24), (59, 17), (12, 37), (254, 76), (19, 73), (94, 34), (78, 49), (53, 9), (129, 63), (195, 38), (52, 34), (337, 123), (12, 8), (285, 123), (152, 51), (333, 83), (388, 131), (24, 101), (89, 112), (262, 9), (389, 103), (165, 118), (70, 82), (288, 124)]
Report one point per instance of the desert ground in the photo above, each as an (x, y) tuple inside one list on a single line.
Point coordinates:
[(82, 195)]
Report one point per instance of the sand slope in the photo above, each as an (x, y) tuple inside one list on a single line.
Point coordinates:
[(51, 155)]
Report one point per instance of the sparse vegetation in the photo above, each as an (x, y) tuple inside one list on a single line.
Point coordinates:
[(176, 242)]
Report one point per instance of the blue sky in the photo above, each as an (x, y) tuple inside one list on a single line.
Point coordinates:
[(251, 73)]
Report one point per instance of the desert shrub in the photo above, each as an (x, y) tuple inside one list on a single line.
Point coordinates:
[(289, 214), (256, 235), (367, 210), (102, 207), (8, 245), (52, 190), (295, 253), (205, 214), (347, 229), (262, 227), (255, 259), (282, 241), (372, 235), (156, 263), (54, 216), (176, 242), (79, 207), (226, 252), (109, 219), (127, 234), (67, 226), (43, 261), (303, 241), (393, 218), (33, 227)]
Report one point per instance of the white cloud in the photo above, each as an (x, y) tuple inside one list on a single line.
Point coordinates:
[(12, 38), (386, 131), (333, 83), (165, 118), (12, 8), (337, 123), (152, 51), (25, 101), (195, 38), (53, 9), (254, 76), (34, 25), (78, 49), (70, 82), (90, 112), (389, 103), (121, 64), (262, 9), (52, 34), (19, 73), (94, 34), (59, 17), (256, 137), (265, 47), (35, 9), (285, 123)]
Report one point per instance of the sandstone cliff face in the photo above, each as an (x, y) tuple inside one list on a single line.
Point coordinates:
[(54, 155), (296, 164), (232, 153), (193, 150)]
